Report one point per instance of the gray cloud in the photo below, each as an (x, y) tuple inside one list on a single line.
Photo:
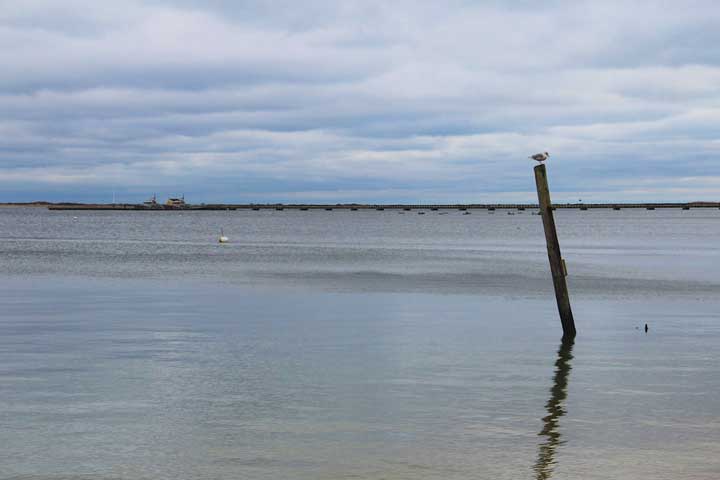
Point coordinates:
[(359, 101)]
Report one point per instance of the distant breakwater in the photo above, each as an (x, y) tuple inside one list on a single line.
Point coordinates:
[(380, 207)]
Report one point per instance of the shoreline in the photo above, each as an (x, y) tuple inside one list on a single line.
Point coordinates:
[(380, 207), (354, 206)]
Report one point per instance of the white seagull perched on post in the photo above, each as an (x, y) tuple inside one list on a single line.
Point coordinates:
[(540, 157)]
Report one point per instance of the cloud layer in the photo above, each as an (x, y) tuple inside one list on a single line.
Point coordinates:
[(358, 101)]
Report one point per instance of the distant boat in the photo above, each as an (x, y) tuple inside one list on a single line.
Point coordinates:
[(222, 238), (466, 213)]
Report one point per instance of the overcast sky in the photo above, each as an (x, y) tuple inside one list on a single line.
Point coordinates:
[(367, 101)]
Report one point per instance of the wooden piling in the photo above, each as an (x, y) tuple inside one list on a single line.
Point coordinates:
[(557, 267)]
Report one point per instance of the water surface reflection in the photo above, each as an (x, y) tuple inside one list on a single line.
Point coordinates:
[(555, 409)]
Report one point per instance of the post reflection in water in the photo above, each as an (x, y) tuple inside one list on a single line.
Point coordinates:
[(555, 409)]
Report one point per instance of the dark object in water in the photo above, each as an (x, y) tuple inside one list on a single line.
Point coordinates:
[(646, 328)]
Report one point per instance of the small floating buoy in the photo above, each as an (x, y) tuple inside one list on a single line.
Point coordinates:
[(222, 238), (646, 328)]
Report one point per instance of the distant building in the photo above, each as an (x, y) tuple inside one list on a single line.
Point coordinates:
[(175, 202)]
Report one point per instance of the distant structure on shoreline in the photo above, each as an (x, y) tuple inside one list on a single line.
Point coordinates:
[(152, 203), (175, 202)]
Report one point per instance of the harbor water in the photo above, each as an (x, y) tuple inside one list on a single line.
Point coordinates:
[(357, 344)]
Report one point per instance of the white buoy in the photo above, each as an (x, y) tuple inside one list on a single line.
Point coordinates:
[(222, 238)]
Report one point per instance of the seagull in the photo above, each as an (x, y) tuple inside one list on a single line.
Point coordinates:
[(540, 157)]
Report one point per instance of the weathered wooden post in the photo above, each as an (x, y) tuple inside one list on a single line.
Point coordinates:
[(557, 264)]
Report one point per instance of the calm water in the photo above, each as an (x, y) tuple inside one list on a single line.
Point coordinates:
[(364, 345)]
